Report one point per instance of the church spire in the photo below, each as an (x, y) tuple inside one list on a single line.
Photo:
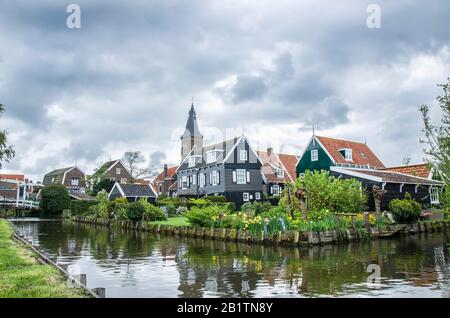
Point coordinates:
[(192, 138)]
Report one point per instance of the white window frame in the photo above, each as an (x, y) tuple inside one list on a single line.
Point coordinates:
[(280, 173), (314, 155), (194, 179), (241, 176), (243, 155), (123, 180), (348, 154), (201, 180), (75, 184), (215, 178), (245, 197), (118, 171), (184, 180), (191, 161), (275, 190), (211, 156), (257, 196), (434, 195)]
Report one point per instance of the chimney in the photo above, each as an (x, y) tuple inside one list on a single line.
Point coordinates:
[(269, 151), (165, 170)]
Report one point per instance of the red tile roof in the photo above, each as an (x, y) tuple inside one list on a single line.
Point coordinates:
[(288, 162), (171, 171), (8, 176), (361, 153), (419, 170)]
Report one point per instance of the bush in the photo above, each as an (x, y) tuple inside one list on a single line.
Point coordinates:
[(204, 217), (134, 211), (257, 207), (325, 192), (151, 212), (81, 207), (406, 210), (215, 199), (54, 199)]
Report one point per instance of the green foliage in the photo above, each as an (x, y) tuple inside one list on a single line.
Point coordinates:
[(81, 207), (102, 208), (206, 216), (102, 185), (151, 212), (135, 211), (6, 151), (325, 192), (54, 199), (406, 210), (447, 200), (215, 199), (199, 203), (437, 138)]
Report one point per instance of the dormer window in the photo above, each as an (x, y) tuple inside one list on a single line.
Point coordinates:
[(314, 155), (191, 162), (211, 155), (347, 154), (280, 173)]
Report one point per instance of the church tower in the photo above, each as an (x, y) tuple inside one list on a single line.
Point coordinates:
[(192, 138)]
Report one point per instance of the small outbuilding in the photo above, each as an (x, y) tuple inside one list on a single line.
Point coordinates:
[(133, 192)]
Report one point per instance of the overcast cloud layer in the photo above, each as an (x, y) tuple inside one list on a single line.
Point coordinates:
[(124, 81)]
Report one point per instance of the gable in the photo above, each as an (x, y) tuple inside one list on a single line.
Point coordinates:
[(323, 162)]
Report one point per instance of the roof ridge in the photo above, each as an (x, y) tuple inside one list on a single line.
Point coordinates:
[(406, 166), (339, 139)]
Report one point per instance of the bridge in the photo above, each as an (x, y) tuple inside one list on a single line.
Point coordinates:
[(17, 195)]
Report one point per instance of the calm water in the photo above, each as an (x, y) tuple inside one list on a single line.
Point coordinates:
[(131, 264)]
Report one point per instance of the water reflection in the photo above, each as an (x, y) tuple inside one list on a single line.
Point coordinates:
[(133, 264)]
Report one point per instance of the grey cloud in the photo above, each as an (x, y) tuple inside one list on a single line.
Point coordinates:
[(157, 158)]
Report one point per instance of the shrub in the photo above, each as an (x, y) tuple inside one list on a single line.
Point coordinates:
[(406, 210), (325, 192), (134, 211), (54, 199), (215, 199), (102, 208), (81, 207), (151, 212), (204, 217)]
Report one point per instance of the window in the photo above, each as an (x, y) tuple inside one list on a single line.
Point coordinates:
[(184, 182), (53, 179), (243, 155), (245, 196), (240, 176), (75, 182), (210, 157), (346, 153), (434, 195), (257, 195), (215, 178), (201, 180), (280, 173), (194, 179), (191, 162), (314, 155), (118, 171), (123, 180), (276, 190)]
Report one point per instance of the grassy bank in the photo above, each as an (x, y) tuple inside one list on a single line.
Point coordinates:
[(21, 275), (173, 221)]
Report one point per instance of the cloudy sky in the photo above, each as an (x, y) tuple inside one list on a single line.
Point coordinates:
[(125, 79)]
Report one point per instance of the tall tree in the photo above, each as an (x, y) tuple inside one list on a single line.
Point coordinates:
[(133, 161), (6, 151), (437, 137)]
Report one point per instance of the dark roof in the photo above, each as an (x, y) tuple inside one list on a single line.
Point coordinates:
[(57, 174), (191, 125), (223, 148), (137, 190), (389, 176), (362, 155), (82, 196), (109, 164)]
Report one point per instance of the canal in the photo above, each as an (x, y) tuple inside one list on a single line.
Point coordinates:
[(132, 264)]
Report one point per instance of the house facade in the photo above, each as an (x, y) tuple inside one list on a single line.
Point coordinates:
[(166, 182), (133, 192), (230, 168), (73, 178), (115, 171), (277, 170), (349, 159)]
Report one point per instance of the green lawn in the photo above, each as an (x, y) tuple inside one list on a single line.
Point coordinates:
[(21, 276), (174, 221)]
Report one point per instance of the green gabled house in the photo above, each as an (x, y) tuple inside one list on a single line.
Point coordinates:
[(349, 159)]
